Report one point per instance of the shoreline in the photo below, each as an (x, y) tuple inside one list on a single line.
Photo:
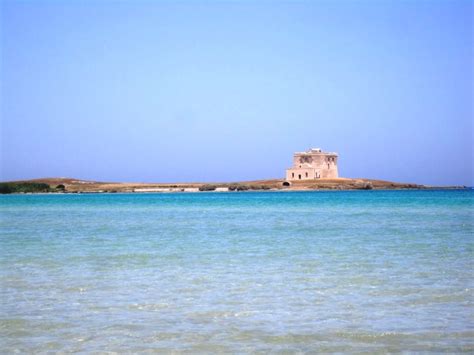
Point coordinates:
[(218, 192), (76, 186), (227, 192)]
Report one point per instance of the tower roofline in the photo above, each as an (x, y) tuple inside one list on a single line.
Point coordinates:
[(316, 151)]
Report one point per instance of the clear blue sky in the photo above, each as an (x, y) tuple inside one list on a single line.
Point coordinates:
[(225, 91)]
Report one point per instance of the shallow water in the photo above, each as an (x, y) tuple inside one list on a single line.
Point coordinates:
[(237, 272)]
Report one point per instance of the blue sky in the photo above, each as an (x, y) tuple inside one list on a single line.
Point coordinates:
[(224, 91)]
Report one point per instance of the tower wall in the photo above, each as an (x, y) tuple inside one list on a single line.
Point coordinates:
[(313, 164)]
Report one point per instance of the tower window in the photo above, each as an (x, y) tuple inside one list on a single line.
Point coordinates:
[(306, 174), (299, 176), (292, 174)]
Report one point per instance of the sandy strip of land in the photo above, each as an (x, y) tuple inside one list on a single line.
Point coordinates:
[(77, 185)]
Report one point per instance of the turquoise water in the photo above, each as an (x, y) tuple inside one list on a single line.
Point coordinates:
[(237, 272)]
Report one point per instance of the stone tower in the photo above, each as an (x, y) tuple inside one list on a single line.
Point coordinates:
[(313, 164)]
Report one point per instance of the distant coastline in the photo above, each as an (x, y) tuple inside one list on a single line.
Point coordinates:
[(71, 185)]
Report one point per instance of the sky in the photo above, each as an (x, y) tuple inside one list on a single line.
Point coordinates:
[(176, 91)]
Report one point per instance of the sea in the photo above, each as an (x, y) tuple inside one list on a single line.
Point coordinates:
[(237, 272)]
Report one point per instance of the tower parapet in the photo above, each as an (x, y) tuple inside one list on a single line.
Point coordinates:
[(313, 164)]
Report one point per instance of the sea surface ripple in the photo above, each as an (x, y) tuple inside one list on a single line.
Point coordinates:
[(342, 271)]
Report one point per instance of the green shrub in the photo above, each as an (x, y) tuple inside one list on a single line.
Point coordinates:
[(15, 187), (259, 187), (6, 188), (207, 188)]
